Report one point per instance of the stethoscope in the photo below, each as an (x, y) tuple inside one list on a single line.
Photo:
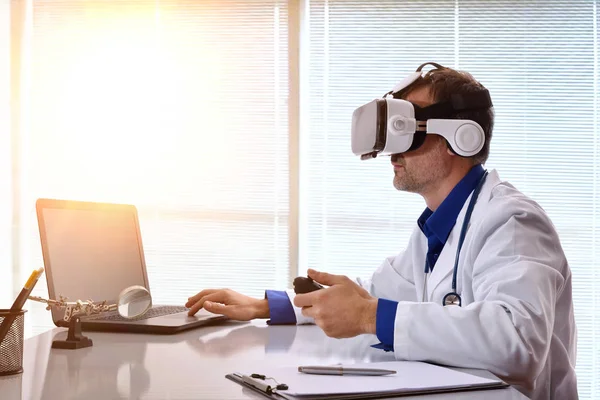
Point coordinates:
[(453, 298)]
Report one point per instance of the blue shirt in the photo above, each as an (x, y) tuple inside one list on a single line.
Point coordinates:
[(435, 225)]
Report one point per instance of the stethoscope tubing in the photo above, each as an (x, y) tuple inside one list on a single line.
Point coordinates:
[(463, 233)]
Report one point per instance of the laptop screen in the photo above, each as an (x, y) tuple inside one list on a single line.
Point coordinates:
[(92, 253)]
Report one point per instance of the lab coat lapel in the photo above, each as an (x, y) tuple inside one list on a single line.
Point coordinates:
[(444, 266), (445, 263)]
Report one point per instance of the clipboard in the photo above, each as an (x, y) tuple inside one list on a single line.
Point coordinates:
[(239, 379), (268, 387)]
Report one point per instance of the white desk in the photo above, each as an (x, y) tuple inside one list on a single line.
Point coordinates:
[(189, 365)]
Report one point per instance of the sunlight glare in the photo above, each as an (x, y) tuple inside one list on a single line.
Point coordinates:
[(113, 101)]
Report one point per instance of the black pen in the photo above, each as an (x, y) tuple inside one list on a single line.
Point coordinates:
[(20, 301)]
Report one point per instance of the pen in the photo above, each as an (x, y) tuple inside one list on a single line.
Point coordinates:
[(20, 301), (320, 370)]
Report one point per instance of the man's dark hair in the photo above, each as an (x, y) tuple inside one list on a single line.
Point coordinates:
[(443, 83)]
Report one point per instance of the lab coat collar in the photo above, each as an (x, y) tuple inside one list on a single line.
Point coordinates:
[(441, 222), (445, 263)]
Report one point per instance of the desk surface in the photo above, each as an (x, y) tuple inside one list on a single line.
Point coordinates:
[(189, 365)]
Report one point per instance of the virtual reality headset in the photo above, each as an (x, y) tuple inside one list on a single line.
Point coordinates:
[(391, 125)]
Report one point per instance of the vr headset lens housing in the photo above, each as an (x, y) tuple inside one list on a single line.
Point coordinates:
[(390, 125), (364, 128), (385, 126)]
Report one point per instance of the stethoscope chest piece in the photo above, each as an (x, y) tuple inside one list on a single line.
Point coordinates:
[(452, 299)]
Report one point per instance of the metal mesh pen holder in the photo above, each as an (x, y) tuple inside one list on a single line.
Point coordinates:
[(11, 346)]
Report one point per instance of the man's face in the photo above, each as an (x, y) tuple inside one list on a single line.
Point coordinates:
[(421, 170)]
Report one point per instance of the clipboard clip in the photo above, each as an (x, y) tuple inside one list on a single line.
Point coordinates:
[(258, 381)]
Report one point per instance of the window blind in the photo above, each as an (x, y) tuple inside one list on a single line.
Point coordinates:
[(539, 59), (5, 159), (178, 107)]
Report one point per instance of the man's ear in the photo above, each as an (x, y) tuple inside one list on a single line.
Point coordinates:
[(448, 148)]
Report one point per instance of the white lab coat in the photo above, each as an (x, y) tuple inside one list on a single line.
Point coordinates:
[(516, 319)]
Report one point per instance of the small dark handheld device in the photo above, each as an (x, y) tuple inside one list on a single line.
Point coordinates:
[(306, 285)]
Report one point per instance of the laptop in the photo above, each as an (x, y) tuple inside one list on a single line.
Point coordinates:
[(94, 251)]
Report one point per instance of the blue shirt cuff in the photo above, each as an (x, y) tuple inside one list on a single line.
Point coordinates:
[(385, 318), (281, 310), (383, 347)]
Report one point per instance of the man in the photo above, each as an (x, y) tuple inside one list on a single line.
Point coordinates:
[(516, 314)]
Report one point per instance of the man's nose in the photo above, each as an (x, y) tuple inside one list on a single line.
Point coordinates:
[(395, 158)]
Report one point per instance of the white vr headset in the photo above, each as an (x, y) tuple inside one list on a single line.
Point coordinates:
[(391, 125)]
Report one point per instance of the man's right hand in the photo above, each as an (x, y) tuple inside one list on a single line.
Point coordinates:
[(229, 303)]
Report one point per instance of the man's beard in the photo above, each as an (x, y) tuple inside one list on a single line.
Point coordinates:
[(417, 180), (407, 183)]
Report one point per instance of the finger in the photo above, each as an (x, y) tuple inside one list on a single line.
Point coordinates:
[(239, 313), (308, 312), (220, 297), (196, 297), (306, 299), (327, 279), (363, 292)]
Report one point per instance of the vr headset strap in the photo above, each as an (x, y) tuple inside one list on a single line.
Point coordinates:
[(479, 100)]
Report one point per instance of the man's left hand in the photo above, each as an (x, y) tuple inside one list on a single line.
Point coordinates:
[(344, 309)]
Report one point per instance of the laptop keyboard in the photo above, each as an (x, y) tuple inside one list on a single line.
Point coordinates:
[(157, 311)]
